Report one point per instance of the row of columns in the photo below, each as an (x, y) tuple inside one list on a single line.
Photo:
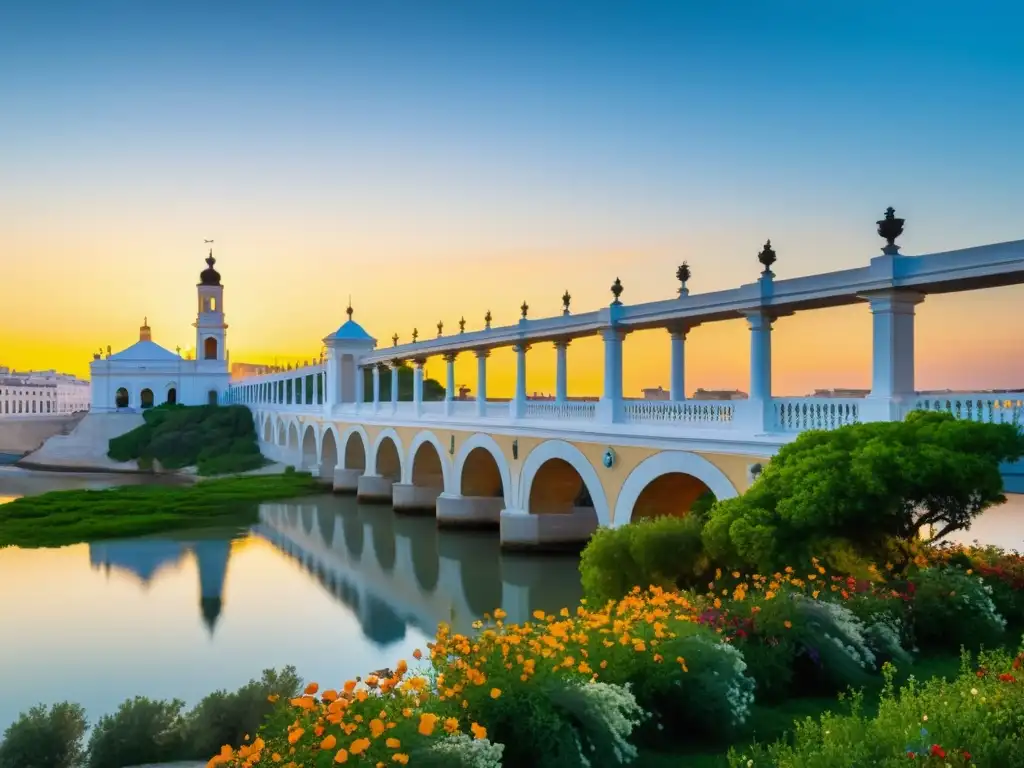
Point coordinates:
[(276, 392)]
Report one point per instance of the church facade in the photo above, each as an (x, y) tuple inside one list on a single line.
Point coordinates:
[(146, 374)]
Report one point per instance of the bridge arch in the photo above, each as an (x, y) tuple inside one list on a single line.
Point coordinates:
[(669, 479), (355, 445), (309, 448), (553, 475), (293, 438), (268, 429), (328, 452), (427, 465), (387, 455), (282, 433), (473, 457)]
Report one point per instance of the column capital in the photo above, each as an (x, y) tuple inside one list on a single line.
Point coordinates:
[(482, 353), (521, 347), (562, 343), (449, 357), (394, 364), (762, 319), (613, 333), (680, 330), (892, 300), (419, 362)]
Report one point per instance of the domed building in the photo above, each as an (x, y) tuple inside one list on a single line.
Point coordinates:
[(146, 374)]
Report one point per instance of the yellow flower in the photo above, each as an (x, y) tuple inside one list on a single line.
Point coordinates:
[(427, 723), (787, 624), (400, 758), (495, 693), (393, 743), (376, 728), (451, 725)]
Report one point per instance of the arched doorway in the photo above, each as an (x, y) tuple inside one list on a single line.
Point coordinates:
[(121, 398), (146, 398), (389, 464), (211, 397), (670, 495), (427, 471), (172, 396), (209, 348), (355, 452), (480, 475), (557, 489)]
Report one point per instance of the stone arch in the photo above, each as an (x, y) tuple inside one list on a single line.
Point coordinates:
[(472, 457), (282, 433), (328, 453), (268, 429), (355, 443), (309, 447), (210, 348), (387, 455), (427, 466), (660, 478), (293, 436), (547, 471), (121, 398), (146, 398)]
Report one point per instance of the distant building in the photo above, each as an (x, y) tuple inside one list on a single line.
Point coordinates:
[(245, 370), (40, 392), (841, 393), (655, 393), (464, 392), (719, 394)]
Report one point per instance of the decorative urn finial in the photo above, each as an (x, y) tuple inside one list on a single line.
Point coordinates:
[(440, 328), (348, 311), (683, 275), (415, 335), (524, 309), (462, 325), (566, 298), (617, 291), (394, 340), (487, 321), (890, 228), (767, 257)]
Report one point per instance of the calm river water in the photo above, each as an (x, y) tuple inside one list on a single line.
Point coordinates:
[(334, 588)]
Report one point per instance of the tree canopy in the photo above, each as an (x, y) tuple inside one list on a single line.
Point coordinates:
[(866, 490)]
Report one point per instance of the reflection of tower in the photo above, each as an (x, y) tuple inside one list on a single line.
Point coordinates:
[(212, 558)]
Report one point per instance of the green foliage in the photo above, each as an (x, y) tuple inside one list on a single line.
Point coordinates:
[(45, 738), (663, 552), (432, 389), (865, 487), (226, 718), (216, 439), (937, 723), (141, 731), (952, 608), (67, 517)]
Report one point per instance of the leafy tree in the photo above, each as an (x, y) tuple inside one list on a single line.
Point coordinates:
[(864, 491), (432, 389), (45, 738), (141, 731)]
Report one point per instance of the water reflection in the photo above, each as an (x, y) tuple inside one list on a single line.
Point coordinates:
[(393, 570)]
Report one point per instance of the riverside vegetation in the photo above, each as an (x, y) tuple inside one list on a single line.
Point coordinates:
[(723, 638)]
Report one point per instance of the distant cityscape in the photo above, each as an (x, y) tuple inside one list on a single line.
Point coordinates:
[(41, 392)]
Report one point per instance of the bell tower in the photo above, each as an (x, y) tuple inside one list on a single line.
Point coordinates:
[(211, 331)]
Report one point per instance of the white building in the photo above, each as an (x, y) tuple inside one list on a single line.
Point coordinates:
[(145, 374), (24, 393)]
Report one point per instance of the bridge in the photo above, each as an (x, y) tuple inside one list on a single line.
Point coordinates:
[(547, 473)]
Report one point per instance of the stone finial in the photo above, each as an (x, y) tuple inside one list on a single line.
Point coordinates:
[(415, 335), (487, 321), (566, 298), (348, 309), (462, 325), (683, 275), (617, 291), (524, 309), (767, 257), (440, 328), (394, 340), (890, 228)]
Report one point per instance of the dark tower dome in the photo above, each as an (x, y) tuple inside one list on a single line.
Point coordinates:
[(209, 276)]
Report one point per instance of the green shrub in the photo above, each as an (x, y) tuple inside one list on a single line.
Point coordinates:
[(954, 609), (216, 439), (45, 738), (141, 731), (226, 718), (937, 723), (664, 552)]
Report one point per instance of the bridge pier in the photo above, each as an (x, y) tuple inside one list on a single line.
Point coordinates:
[(346, 480), (455, 511), (374, 489), (406, 497), (553, 532)]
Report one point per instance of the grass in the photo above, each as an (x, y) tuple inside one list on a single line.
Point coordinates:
[(69, 517), (769, 722)]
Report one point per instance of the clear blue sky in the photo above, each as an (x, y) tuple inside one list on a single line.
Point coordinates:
[(497, 138)]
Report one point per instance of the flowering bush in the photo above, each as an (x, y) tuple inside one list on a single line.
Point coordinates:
[(976, 720), (954, 608), (1001, 570)]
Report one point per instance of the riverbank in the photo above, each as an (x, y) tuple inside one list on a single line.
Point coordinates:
[(59, 518)]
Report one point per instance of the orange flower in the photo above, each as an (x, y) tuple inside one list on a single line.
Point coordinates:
[(495, 693), (312, 688), (341, 757), (393, 743), (479, 732), (359, 746), (427, 723), (329, 743)]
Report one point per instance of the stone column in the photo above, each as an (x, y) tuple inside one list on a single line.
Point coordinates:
[(517, 408), (756, 414), (376, 387), (360, 392), (609, 408), (394, 386), (892, 357), (481, 382), (561, 377), (449, 387), (677, 375), (417, 386)]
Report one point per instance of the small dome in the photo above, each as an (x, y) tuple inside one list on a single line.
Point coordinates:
[(350, 329), (209, 276)]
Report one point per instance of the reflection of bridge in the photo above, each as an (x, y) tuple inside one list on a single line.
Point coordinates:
[(393, 571), (550, 471)]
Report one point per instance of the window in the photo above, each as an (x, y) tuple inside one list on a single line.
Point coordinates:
[(210, 348)]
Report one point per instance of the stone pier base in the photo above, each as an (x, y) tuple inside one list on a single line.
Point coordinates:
[(547, 532), (346, 480), (469, 511), (406, 497), (374, 489)]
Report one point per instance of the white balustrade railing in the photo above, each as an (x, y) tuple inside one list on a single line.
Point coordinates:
[(795, 414), (701, 413), (569, 410), (992, 407)]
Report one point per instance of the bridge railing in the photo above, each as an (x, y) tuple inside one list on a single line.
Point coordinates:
[(992, 407), (796, 414)]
